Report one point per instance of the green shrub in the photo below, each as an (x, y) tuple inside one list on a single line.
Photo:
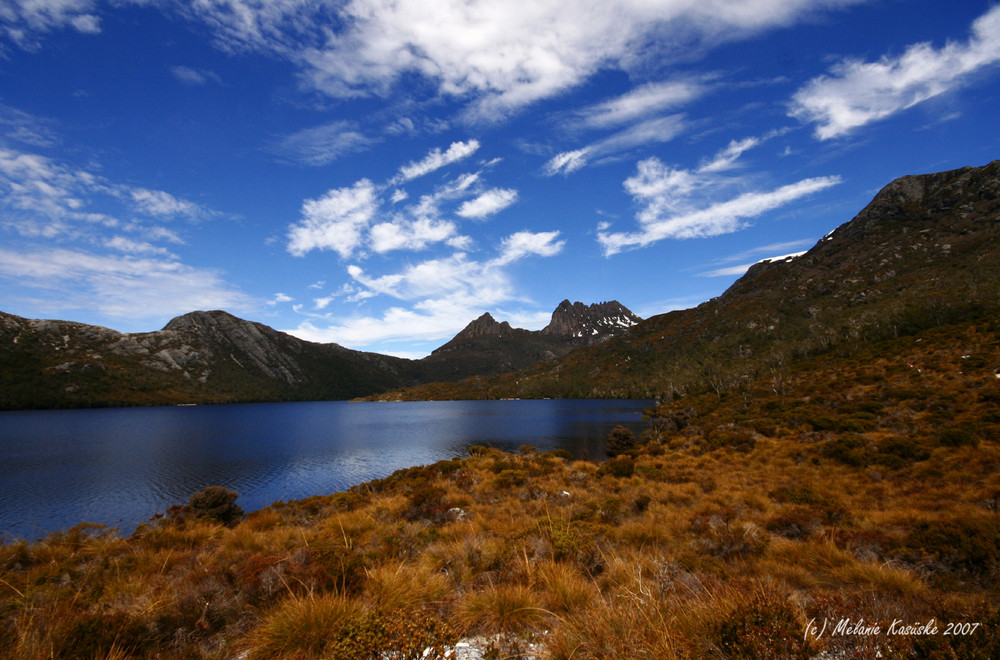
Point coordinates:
[(899, 452), (426, 503), (847, 449), (767, 627), (968, 546), (957, 437), (798, 523), (509, 478), (620, 440), (623, 466), (216, 503), (795, 495)]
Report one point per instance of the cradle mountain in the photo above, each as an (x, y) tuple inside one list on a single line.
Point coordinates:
[(924, 253)]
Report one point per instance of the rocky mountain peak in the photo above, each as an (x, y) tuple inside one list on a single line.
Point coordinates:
[(200, 320), (584, 321), (485, 326)]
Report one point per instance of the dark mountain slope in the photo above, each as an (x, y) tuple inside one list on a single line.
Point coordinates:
[(200, 357), (211, 357), (924, 252)]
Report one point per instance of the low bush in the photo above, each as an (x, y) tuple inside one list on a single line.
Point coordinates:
[(620, 440), (622, 467)]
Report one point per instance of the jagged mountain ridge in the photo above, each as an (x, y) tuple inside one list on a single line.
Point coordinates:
[(924, 252), (487, 347), (213, 356)]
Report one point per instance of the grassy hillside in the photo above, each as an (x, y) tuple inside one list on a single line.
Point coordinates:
[(924, 253), (859, 485)]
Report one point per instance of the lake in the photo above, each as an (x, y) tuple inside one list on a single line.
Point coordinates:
[(120, 466)]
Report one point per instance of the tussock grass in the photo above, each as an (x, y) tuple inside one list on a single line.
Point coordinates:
[(304, 626)]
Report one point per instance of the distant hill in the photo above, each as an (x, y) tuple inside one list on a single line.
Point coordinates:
[(213, 356), (924, 253)]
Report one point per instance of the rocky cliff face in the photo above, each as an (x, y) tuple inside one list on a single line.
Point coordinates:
[(598, 321), (222, 335)]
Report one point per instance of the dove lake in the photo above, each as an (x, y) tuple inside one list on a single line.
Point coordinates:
[(120, 466)]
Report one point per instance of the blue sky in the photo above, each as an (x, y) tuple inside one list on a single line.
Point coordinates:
[(378, 173)]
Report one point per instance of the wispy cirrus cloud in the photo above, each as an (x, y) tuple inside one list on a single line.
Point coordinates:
[(24, 21), (162, 204), (435, 160), (118, 285), (650, 131), (680, 204), (191, 76), (45, 191), (321, 145), (639, 103), (857, 93), (26, 128)]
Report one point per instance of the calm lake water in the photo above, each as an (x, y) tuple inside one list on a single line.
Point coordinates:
[(120, 466)]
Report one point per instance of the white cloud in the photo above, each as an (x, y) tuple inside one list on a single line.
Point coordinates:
[(280, 298), (31, 182), (657, 223), (123, 244), (678, 203), (490, 202), (346, 219), (435, 160), (443, 295), (122, 287), (650, 131), (640, 102), (497, 55), (857, 93), (566, 162), (335, 221), (47, 198), (22, 21), (321, 145), (728, 156), (526, 243), (163, 204), (403, 234), (26, 128), (190, 76)]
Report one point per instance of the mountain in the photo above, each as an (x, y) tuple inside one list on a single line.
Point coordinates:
[(924, 253), (213, 356), (201, 357), (590, 323), (487, 347)]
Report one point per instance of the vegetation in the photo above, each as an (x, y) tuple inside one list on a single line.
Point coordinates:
[(862, 487)]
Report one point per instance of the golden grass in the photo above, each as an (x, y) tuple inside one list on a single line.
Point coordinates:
[(304, 627)]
